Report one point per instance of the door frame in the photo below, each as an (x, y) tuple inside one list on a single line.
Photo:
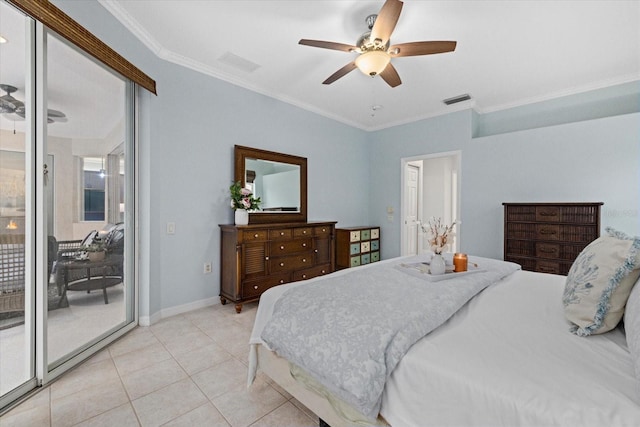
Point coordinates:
[(457, 154)]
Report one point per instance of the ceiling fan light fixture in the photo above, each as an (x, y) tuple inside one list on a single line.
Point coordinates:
[(373, 62)]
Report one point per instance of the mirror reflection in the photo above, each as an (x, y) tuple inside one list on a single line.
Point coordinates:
[(277, 184)]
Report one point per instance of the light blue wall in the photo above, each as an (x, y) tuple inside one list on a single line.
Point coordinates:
[(186, 143), (593, 160)]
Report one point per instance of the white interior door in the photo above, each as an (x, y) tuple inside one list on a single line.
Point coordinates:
[(410, 225)]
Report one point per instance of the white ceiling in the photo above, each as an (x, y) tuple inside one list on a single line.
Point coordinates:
[(509, 53)]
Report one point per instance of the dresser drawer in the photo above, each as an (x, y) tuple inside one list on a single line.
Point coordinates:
[(365, 246), (302, 232), (354, 236), (375, 245), (547, 232), (375, 233), (365, 234), (253, 288), (322, 231), (310, 273), (365, 259), (548, 267), (281, 234), (354, 261), (548, 214), (547, 250), (289, 263), (375, 256), (253, 235), (290, 246), (354, 248)]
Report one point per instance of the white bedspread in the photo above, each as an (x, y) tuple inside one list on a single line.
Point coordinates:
[(507, 359)]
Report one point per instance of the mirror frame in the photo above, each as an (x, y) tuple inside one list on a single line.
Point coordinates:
[(242, 153)]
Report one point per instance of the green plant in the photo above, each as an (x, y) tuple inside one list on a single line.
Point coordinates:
[(242, 198)]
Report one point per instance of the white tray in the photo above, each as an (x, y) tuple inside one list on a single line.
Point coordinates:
[(422, 268)]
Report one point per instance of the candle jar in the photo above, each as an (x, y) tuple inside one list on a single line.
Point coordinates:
[(459, 262)]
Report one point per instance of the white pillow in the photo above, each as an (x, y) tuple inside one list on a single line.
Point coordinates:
[(600, 281), (632, 330)]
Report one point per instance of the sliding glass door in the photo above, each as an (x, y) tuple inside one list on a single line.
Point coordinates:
[(67, 264), (88, 132), (17, 290)]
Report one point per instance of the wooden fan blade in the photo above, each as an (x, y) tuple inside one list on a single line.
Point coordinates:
[(421, 48), (386, 21), (390, 75), (328, 45), (340, 73)]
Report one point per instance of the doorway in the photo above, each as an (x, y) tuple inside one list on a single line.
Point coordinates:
[(430, 188)]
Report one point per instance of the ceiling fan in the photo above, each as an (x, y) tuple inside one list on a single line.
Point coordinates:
[(374, 48), (11, 105)]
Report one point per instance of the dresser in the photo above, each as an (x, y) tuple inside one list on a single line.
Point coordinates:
[(257, 257), (547, 237), (357, 246)]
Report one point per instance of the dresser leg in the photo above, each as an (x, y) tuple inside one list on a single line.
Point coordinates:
[(238, 308), (223, 300)]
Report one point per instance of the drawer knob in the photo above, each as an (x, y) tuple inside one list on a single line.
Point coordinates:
[(304, 231), (282, 264), (547, 231), (548, 213), (255, 236), (304, 276), (282, 233), (281, 281), (304, 260), (548, 251), (322, 271), (281, 247), (324, 229), (316, 251), (255, 286), (267, 258), (304, 245)]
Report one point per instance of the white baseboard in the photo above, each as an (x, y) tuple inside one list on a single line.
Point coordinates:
[(178, 309)]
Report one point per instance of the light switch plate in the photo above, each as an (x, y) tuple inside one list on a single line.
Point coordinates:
[(171, 228)]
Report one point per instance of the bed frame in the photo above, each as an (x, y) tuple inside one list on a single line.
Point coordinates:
[(278, 369)]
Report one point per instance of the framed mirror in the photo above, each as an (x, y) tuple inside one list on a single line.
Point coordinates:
[(280, 180)]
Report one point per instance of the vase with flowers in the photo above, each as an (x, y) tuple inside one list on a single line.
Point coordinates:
[(242, 201), (438, 235)]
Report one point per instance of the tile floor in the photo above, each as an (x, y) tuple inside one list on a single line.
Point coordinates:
[(186, 370)]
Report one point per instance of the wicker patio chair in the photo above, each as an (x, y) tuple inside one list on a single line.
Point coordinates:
[(12, 273)]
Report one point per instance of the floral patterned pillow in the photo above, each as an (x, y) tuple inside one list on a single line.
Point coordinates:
[(632, 330), (600, 281)]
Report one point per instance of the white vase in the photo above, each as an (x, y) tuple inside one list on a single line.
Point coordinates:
[(437, 266), (241, 217)]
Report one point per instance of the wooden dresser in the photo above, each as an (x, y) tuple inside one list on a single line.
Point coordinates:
[(547, 237), (357, 246), (257, 257)]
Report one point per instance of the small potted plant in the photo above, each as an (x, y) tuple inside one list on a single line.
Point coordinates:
[(96, 251), (242, 201)]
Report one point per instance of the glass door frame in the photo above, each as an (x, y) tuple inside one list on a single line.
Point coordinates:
[(45, 370)]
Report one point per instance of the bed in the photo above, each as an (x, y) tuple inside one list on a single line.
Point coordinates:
[(505, 358)]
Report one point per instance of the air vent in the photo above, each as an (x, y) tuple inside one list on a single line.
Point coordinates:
[(238, 62), (456, 99)]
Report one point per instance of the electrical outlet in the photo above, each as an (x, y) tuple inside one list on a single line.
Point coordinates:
[(207, 267), (171, 228)]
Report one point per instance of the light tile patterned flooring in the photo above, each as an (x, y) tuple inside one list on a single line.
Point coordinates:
[(186, 370)]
